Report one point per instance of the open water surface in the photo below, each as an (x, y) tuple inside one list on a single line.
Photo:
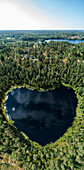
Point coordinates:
[(70, 41), (42, 116)]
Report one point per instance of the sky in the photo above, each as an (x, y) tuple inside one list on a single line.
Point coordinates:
[(41, 14)]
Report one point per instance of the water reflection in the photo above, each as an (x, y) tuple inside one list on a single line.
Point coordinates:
[(43, 116)]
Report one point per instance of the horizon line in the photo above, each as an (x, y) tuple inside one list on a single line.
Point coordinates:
[(44, 30)]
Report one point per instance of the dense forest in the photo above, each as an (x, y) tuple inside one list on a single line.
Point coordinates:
[(41, 66), (20, 36)]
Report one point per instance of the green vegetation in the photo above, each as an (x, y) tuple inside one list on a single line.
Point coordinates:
[(41, 67)]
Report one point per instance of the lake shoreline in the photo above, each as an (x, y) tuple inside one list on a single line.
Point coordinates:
[(11, 122), (73, 41)]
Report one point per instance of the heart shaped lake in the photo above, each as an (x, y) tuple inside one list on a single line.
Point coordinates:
[(42, 116)]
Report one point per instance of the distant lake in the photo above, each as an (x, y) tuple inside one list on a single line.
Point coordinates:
[(42, 116), (71, 41)]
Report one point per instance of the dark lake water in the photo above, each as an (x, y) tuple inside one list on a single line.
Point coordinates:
[(42, 116), (71, 41)]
